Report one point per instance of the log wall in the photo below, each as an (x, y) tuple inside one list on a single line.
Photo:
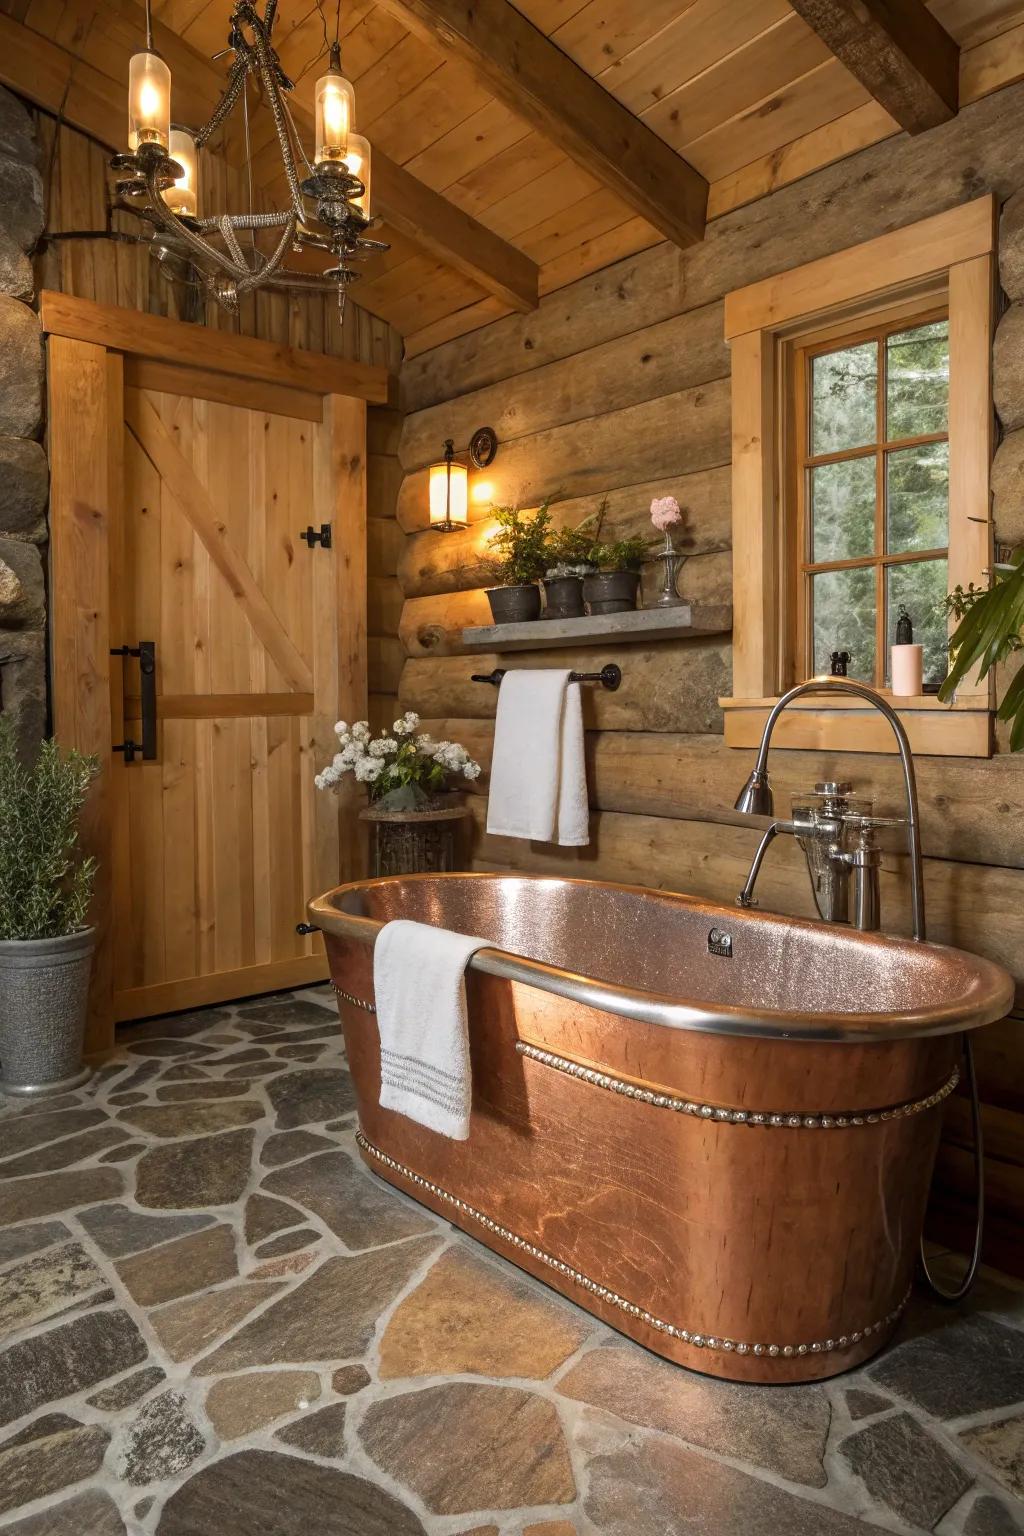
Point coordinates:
[(618, 388)]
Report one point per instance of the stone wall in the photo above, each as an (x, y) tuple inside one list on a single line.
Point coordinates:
[(23, 470)]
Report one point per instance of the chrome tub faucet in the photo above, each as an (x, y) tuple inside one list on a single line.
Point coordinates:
[(838, 841)]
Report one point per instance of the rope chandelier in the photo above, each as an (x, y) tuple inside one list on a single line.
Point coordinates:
[(328, 208)]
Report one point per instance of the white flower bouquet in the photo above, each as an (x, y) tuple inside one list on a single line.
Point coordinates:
[(406, 766)]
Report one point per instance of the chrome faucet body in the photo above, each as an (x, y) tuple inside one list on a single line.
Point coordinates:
[(863, 860), (821, 832)]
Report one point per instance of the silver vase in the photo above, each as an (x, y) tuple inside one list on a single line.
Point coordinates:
[(44, 996), (671, 563)]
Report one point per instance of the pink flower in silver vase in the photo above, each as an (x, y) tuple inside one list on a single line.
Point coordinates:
[(665, 512)]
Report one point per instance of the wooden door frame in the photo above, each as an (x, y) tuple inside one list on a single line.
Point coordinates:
[(94, 351)]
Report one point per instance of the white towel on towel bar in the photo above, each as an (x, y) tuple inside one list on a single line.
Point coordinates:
[(420, 992), (538, 772)]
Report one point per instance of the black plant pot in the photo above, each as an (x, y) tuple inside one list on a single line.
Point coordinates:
[(612, 591), (515, 605), (563, 597)]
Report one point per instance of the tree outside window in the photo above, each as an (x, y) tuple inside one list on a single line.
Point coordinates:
[(873, 495)]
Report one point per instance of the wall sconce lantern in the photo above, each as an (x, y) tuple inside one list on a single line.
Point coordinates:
[(449, 481)]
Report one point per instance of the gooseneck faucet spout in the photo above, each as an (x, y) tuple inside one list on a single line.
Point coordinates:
[(756, 795)]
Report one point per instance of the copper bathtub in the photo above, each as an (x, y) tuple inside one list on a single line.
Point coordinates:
[(714, 1129)]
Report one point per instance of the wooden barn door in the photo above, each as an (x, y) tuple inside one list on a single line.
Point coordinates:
[(232, 646)]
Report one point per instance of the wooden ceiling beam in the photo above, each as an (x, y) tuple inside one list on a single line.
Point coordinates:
[(897, 50), (55, 79), (536, 80)]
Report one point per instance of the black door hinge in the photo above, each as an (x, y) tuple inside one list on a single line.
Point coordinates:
[(322, 537)]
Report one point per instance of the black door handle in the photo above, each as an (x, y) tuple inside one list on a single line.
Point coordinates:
[(146, 653)]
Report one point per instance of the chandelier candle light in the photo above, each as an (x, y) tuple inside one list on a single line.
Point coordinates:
[(328, 210)]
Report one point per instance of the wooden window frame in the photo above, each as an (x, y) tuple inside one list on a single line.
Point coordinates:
[(947, 261)]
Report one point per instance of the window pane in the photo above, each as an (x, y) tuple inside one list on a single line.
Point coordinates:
[(918, 498), (917, 367), (843, 509), (921, 585), (844, 619), (843, 395)]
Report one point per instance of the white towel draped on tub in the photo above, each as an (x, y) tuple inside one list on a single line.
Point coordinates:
[(538, 773), (420, 991)]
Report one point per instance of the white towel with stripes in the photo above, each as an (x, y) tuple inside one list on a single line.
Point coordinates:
[(420, 991)]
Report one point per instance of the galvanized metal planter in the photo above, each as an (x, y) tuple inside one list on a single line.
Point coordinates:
[(515, 605), (44, 994)]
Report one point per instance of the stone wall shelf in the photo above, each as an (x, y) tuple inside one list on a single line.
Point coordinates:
[(643, 625)]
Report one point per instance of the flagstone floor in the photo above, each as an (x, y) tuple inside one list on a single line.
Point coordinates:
[(215, 1321)]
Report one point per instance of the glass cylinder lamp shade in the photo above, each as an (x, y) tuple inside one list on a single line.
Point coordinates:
[(149, 101), (357, 163), (182, 197), (449, 492), (335, 109)]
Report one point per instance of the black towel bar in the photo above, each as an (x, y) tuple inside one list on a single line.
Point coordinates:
[(609, 677)]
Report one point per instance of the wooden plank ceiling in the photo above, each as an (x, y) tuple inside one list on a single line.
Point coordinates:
[(747, 92)]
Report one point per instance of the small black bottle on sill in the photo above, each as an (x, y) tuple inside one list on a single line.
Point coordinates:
[(840, 662)]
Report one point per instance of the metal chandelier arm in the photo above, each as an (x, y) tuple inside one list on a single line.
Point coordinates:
[(268, 269), (325, 207), (175, 226)]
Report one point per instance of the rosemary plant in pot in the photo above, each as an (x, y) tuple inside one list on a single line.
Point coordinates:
[(46, 944), (518, 557), (410, 778)]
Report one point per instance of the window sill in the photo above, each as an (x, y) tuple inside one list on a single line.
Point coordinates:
[(814, 724)]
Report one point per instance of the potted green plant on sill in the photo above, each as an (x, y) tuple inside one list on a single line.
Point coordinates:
[(517, 558), (571, 560), (46, 945), (616, 583), (990, 630)]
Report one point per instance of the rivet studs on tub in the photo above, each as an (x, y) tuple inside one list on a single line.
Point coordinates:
[(686, 1336), (721, 1115)]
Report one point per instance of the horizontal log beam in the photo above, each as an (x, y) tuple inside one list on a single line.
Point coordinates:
[(674, 435), (413, 209), (897, 50), (672, 686), (678, 353), (541, 84), (972, 809)]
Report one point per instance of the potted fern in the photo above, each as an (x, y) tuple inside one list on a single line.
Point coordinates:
[(518, 557), (570, 560), (990, 630), (46, 944)]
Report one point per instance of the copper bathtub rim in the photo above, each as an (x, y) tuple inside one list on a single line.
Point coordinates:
[(695, 1338), (991, 1001)]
